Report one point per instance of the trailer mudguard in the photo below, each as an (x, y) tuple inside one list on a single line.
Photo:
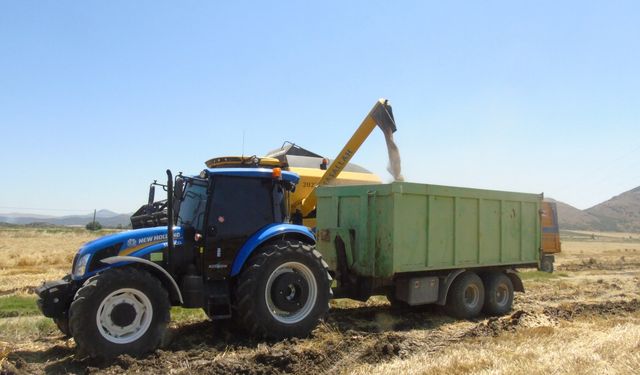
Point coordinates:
[(161, 273), (265, 234)]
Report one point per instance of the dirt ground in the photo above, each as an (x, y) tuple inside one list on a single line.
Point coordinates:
[(585, 318)]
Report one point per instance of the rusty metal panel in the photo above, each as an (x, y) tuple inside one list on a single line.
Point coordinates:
[(550, 228)]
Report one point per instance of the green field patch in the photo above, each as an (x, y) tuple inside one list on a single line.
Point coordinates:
[(12, 306), (180, 314)]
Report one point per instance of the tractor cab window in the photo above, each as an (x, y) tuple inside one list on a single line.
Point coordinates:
[(193, 204), (241, 205)]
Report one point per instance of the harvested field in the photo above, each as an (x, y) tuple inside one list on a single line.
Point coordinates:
[(585, 318)]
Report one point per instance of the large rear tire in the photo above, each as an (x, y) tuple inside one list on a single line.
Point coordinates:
[(122, 310), (283, 291), (466, 296), (498, 294)]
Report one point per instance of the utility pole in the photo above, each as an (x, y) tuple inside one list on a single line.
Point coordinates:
[(94, 218)]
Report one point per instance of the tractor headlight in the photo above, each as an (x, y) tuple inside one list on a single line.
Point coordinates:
[(81, 265)]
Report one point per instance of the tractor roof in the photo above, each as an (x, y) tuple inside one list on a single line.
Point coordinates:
[(252, 172)]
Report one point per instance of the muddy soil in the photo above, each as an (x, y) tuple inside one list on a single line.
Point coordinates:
[(357, 333), (349, 337)]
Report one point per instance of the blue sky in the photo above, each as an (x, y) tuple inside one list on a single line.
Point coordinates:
[(99, 98)]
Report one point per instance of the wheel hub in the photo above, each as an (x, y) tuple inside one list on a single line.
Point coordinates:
[(502, 295), (289, 291), (123, 314), (471, 295)]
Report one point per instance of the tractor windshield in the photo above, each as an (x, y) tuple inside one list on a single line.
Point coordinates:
[(193, 204)]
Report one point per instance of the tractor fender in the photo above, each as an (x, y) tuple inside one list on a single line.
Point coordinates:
[(446, 284), (162, 274), (265, 234)]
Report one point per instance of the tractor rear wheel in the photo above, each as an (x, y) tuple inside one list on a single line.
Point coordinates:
[(122, 310), (466, 296), (283, 291)]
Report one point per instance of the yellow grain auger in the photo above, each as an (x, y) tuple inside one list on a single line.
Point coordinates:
[(316, 170)]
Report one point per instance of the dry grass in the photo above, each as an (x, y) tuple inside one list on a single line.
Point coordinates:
[(592, 346), (29, 256), (368, 337)]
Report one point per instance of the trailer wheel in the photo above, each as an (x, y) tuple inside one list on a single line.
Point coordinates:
[(466, 296), (283, 291), (122, 310), (498, 294)]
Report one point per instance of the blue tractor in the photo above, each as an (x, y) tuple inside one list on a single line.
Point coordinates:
[(228, 248)]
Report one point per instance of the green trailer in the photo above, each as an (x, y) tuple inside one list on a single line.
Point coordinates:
[(421, 244)]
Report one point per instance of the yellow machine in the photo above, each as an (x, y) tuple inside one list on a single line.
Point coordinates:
[(316, 170)]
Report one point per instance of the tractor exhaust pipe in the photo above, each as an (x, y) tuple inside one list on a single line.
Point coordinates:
[(169, 249)]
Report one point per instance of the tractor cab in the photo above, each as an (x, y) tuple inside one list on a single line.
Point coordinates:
[(219, 210)]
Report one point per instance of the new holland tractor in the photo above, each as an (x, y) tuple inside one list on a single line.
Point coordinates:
[(229, 247)]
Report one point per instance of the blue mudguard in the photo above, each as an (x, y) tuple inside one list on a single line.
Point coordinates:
[(266, 234)]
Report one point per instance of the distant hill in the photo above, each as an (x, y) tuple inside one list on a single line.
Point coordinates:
[(618, 214), (108, 219), (574, 218)]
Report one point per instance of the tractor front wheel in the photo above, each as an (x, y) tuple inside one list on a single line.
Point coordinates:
[(283, 291), (122, 310), (63, 325)]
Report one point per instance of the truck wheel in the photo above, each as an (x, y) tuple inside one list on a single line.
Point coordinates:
[(498, 294), (546, 264), (63, 325), (122, 310), (465, 297), (283, 291)]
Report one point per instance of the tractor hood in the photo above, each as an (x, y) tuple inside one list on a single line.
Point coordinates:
[(145, 243)]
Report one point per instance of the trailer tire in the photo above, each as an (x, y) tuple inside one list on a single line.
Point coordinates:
[(466, 296), (283, 291), (121, 310), (498, 292)]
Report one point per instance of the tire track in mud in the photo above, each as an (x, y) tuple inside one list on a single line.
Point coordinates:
[(349, 337)]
